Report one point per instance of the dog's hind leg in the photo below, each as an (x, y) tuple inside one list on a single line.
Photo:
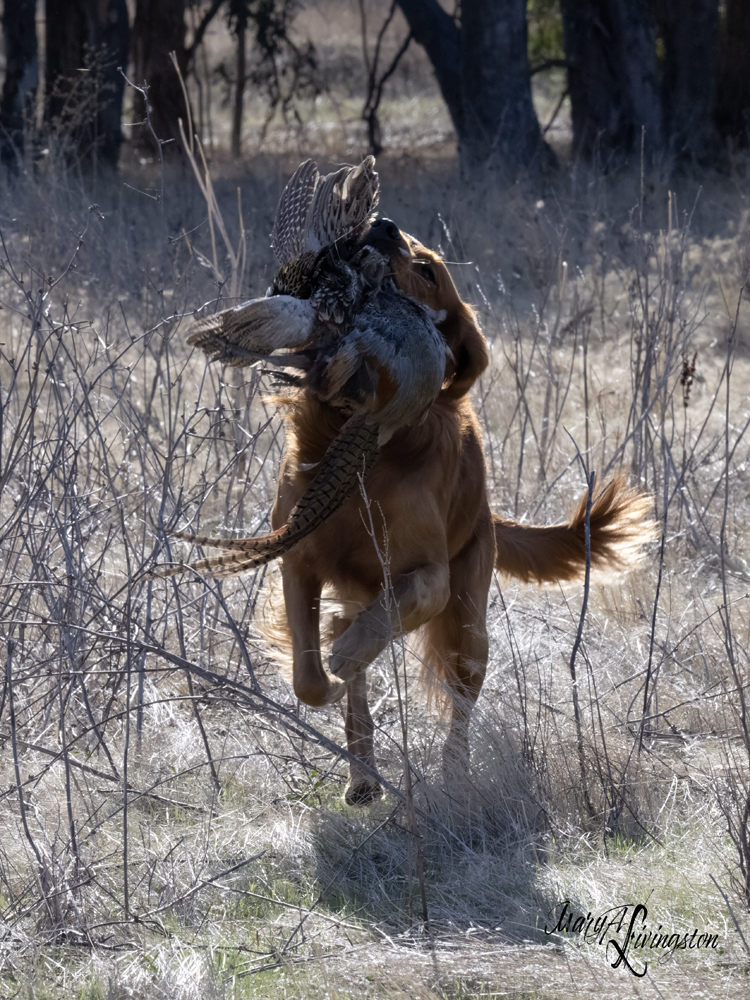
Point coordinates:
[(456, 645), (362, 788)]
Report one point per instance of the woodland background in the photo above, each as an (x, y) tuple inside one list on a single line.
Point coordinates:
[(172, 822), (661, 78)]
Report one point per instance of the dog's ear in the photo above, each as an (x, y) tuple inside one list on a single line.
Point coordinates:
[(422, 274), (462, 334)]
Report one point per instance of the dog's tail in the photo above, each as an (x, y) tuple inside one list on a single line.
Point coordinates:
[(620, 526)]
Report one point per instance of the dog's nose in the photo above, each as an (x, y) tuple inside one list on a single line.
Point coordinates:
[(383, 228), (384, 235)]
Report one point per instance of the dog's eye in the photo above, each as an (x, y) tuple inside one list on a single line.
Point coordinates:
[(427, 272)]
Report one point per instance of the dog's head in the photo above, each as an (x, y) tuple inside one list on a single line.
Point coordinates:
[(421, 273)]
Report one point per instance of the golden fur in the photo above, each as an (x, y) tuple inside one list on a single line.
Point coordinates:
[(429, 511)]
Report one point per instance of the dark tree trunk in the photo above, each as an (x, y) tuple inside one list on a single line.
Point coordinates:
[(440, 36), (158, 29), (610, 48), (482, 70), (239, 92), (114, 35), (86, 41), (689, 29), (500, 126), (21, 78), (733, 106)]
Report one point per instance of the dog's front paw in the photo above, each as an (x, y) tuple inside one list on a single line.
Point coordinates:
[(320, 691), (336, 690), (361, 643), (356, 648)]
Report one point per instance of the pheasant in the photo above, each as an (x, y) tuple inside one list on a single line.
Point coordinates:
[(351, 337), (323, 276)]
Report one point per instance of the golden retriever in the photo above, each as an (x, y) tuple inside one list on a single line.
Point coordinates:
[(429, 513)]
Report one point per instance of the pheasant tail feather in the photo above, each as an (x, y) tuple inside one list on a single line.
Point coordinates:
[(350, 456)]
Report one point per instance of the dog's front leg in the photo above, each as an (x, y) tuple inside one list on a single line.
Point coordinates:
[(312, 684), (414, 599)]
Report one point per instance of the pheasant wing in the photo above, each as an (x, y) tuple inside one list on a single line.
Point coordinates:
[(396, 337), (342, 201), (288, 234), (241, 335)]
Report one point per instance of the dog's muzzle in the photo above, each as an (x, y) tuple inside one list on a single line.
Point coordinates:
[(385, 236)]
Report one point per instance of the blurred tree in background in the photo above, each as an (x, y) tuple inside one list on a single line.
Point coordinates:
[(688, 31), (283, 69), (21, 78), (610, 48), (85, 43), (664, 78), (733, 107), (481, 63), (159, 29)]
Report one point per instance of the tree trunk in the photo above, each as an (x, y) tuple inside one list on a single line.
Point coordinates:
[(86, 41), (440, 36), (21, 78), (113, 33), (690, 29), (733, 106), (158, 29), (500, 127), (239, 93), (610, 48), (482, 70)]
